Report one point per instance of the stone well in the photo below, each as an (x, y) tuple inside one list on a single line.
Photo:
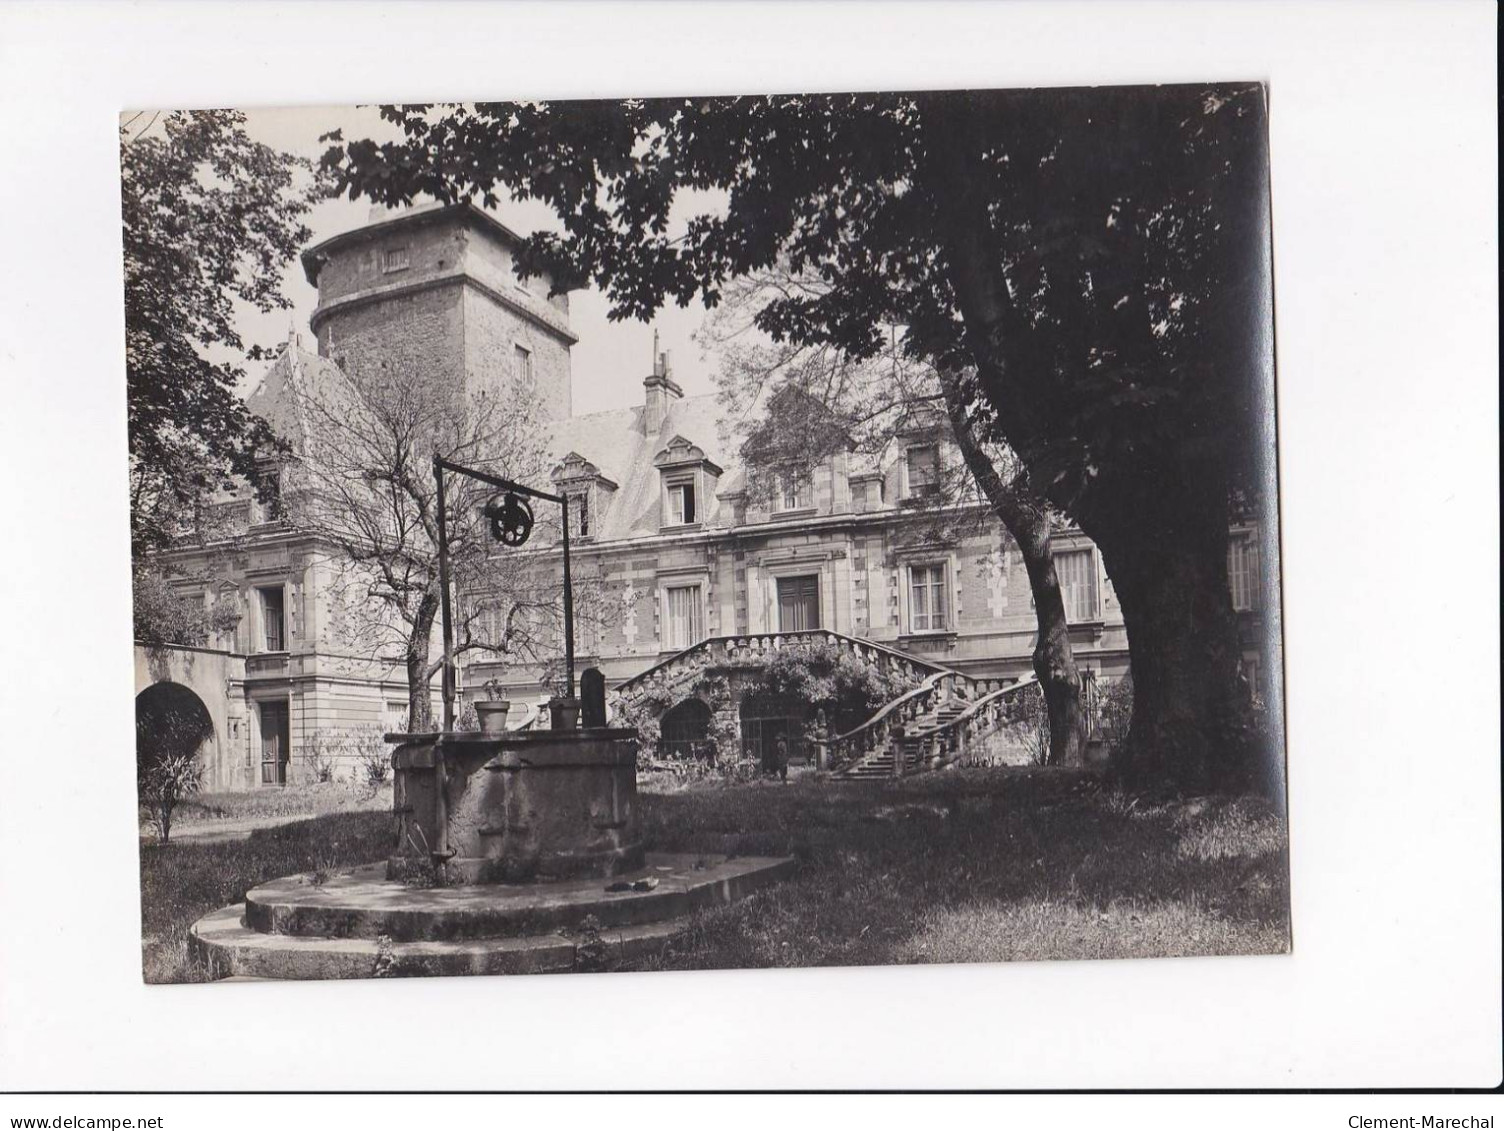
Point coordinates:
[(531, 805), (514, 853)]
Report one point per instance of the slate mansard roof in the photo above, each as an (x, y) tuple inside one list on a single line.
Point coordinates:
[(293, 380), (616, 442)]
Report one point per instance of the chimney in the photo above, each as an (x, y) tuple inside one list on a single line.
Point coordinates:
[(661, 390)]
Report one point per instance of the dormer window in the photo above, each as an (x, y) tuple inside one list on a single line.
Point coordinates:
[(269, 506), (922, 464), (793, 492), (588, 491), (579, 510), (681, 504), (689, 481)]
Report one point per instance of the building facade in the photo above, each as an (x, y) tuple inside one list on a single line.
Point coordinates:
[(665, 521)]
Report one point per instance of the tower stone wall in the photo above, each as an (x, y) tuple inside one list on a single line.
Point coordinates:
[(430, 294)]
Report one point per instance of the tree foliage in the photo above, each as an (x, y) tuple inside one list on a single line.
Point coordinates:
[(1094, 263), (1119, 222), (822, 677), (210, 219), (800, 405), (163, 616)]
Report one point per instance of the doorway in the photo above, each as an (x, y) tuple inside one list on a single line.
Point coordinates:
[(799, 603), (276, 742), (765, 719)]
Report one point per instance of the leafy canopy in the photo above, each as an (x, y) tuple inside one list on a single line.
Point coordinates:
[(1117, 225), (824, 677), (210, 218)]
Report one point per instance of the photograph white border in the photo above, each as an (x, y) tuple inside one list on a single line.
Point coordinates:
[(1384, 157)]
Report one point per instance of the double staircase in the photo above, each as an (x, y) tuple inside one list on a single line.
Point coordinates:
[(913, 749), (950, 717)]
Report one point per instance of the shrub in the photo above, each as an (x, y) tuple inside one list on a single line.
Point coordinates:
[(322, 751), (171, 726), (167, 781), (824, 677), (1115, 713), (1034, 713), (372, 755), (643, 711), (161, 616)]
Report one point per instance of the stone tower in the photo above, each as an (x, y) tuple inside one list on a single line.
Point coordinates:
[(430, 291)]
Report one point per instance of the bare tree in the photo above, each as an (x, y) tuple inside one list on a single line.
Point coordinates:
[(363, 484), (796, 405)]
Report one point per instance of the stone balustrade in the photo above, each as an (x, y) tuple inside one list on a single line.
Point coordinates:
[(753, 650), (955, 739), (987, 704)]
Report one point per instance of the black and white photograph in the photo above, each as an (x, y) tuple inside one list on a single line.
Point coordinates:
[(667, 534)]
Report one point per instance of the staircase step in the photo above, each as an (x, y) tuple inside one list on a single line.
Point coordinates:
[(368, 927)]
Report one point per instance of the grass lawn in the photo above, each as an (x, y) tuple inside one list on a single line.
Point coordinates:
[(961, 866), (182, 882), (314, 800), (981, 866)]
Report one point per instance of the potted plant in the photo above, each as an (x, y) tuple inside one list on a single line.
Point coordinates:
[(492, 710), (563, 708), (564, 714)]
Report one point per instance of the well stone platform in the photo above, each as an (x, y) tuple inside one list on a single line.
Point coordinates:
[(361, 925)]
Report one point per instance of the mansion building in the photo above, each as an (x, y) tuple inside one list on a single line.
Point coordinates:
[(664, 518)]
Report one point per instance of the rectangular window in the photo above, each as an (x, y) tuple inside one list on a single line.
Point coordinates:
[(924, 470), (685, 616), (274, 638), (1243, 572), (394, 259), (579, 509), (927, 597), (793, 491), (1077, 571), (681, 504), (522, 365), (268, 487)]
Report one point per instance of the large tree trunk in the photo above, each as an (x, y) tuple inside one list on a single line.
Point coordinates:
[(1027, 518), (1162, 531), (1164, 541), (1190, 726), (1054, 660)]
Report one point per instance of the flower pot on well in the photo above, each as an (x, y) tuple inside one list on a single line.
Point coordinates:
[(564, 714), (493, 715)]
